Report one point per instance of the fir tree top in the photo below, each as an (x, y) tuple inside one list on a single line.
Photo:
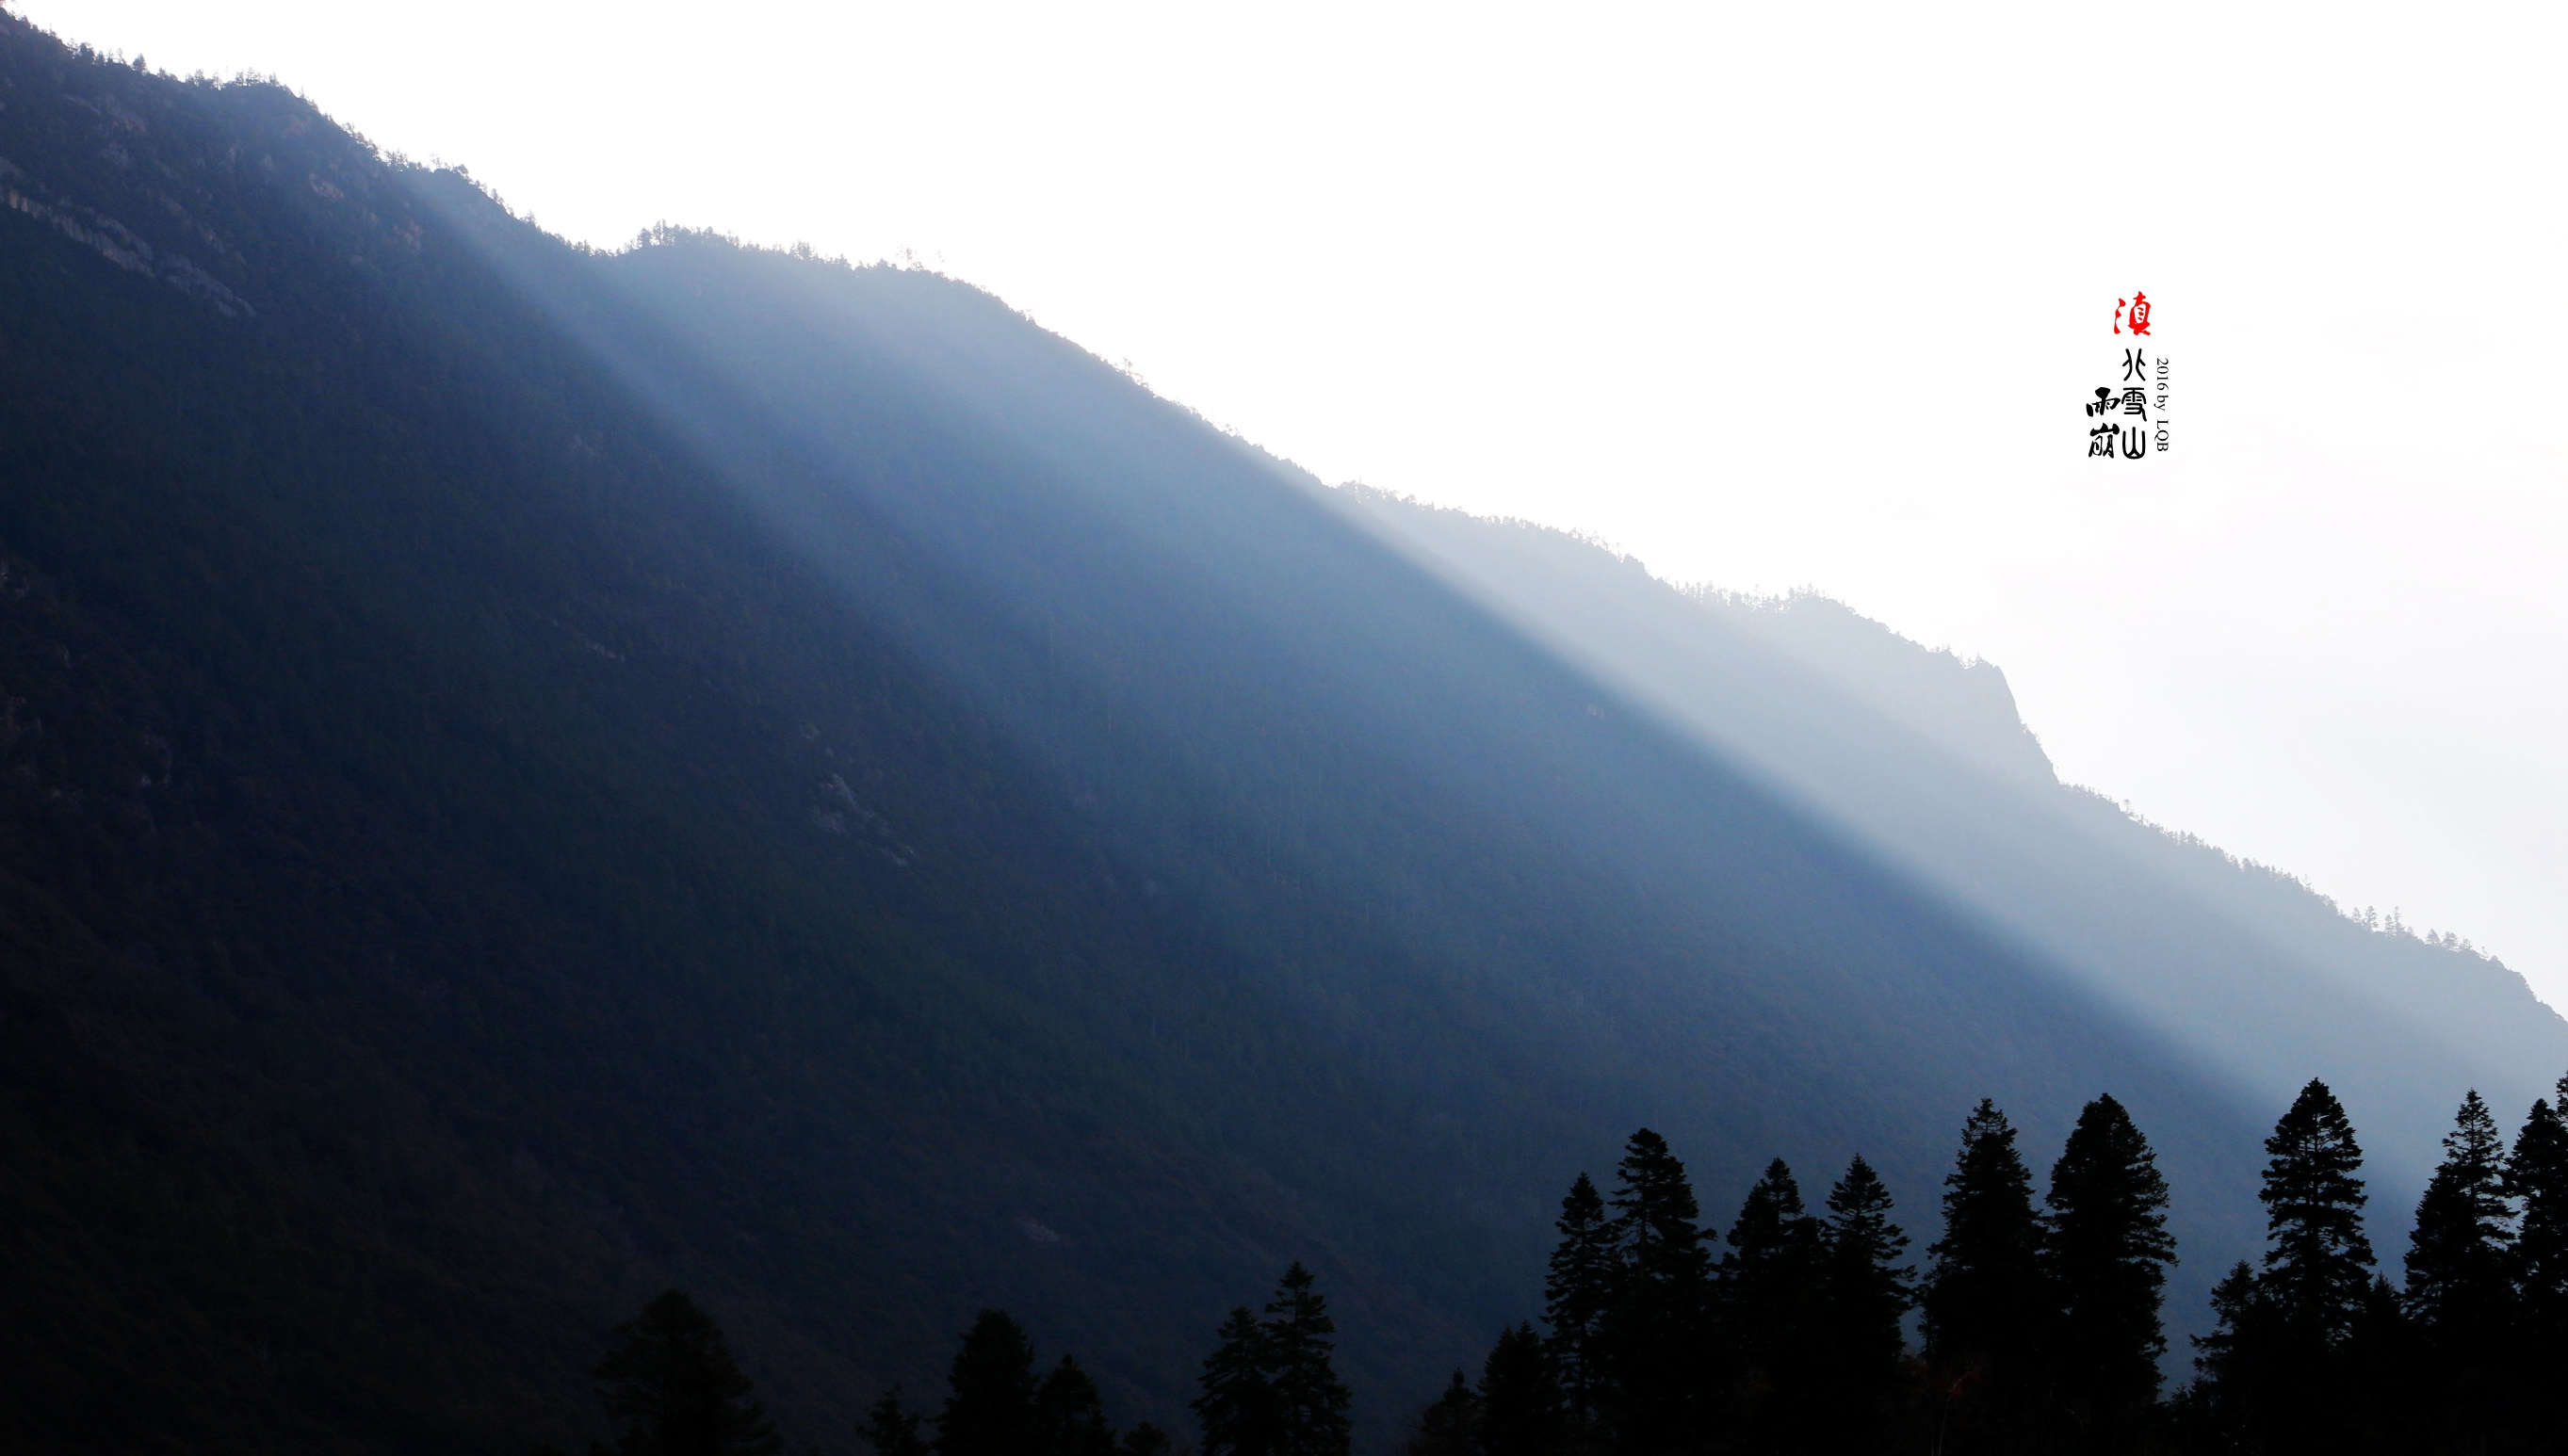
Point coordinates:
[(1987, 1197), (1576, 1290), (1450, 1425), (1983, 1291), (2106, 1251), (990, 1400), (673, 1380), (1858, 1222), (1238, 1407), (1663, 1286), (1311, 1401), (892, 1430), (2458, 1254), (1865, 1279), (1070, 1415), (2537, 1173), (2108, 1199), (1655, 1214), (1768, 1276), (1771, 1222), (2318, 1263), (1522, 1411)]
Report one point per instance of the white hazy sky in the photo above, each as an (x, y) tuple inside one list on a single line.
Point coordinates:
[(1771, 296)]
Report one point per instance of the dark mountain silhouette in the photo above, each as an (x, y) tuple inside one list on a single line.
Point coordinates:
[(529, 776)]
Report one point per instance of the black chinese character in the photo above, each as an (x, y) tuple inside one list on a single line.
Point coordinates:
[(2100, 441), (2134, 365), (2136, 402)]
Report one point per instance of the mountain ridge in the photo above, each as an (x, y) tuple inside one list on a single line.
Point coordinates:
[(1983, 724), (563, 773), (1784, 708)]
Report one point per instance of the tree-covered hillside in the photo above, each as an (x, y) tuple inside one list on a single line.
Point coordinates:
[(530, 776), (1921, 757)]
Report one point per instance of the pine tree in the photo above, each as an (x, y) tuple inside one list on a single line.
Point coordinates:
[(1986, 1308), (673, 1382), (1766, 1292), (1450, 1423), (2222, 1408), (1523, 1409), (1310, 1400), (2459, 1299), (2538, 1174), (1238, 1407), (1576, 1290), (2106, 1253), (1145, 1439), (1070, 1415), (1864, 1290), (892, 1430), (1657, 1325), (1771, 1272), (2458, 1255), (1982, 1295), (990, 1400), (2317, 1264), (2276, 1372), (1654, 1227)]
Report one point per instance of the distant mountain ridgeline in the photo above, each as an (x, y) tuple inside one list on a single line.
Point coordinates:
[(1922, 758), (530, 776)]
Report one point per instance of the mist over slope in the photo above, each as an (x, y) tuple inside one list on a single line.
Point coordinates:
[(1922, 758), (531, 775)]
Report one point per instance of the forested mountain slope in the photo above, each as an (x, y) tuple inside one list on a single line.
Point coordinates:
[(1923, 758), (529, 776)]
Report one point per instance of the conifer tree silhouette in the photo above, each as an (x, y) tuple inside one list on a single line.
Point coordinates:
[(1449, 1424), (2459, 1295), (2229, 1398), (1310, 1400), (2106, 1251), (2458, 1256), (1523, 1409), (1769, 1270), (989, 1404), (1238, 1409), (1070, 1415), (1864, 1290), (673, 1383), (1986, 1308), (1767, 1285), (2537, 1175), (1576, 1290), (1657, 1325), (2318, 1263), (892, 1430), (2277, 1370)]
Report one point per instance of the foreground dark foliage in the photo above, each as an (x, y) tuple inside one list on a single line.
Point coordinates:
[(674, 1386), (2316, 1352), (2042, 1329), (2042, 1325)]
